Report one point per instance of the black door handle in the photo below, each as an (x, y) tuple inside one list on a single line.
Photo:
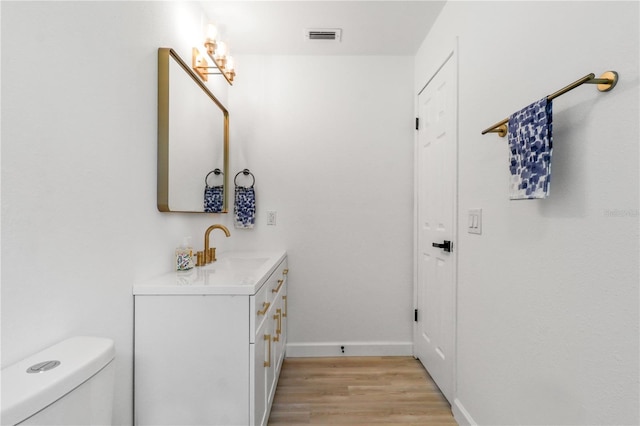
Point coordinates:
[(446, 245)]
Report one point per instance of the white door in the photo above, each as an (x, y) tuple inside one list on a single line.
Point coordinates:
[(436, 194)]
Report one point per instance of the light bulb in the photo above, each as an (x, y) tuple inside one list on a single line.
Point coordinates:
[(230, 66), (210, 40), (212, 32), (221, 50)]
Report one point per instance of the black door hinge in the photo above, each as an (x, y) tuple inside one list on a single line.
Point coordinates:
[(415, 315), (417, 123)]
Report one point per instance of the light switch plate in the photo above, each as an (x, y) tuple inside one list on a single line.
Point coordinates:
[(271, 217), (474, 225)]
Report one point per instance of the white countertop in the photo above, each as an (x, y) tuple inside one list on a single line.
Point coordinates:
[(233, 273)]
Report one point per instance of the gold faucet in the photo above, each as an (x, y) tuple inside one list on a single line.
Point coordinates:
[(210, 253)]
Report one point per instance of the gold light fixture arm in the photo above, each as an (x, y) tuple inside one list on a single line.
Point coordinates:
[(201, 66), (606, 82)]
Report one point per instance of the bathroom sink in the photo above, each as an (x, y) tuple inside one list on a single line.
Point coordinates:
[(237, 262), (234, 272), (242, 263)]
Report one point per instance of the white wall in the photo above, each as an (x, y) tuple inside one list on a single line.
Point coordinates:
[(548, 294), (79, 217), (329, 139), (330, 142)]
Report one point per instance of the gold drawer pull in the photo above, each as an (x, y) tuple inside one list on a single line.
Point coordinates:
[(284, 314), (267, 363), (277, 289), (285, 271), (265, 306), (278, 316)]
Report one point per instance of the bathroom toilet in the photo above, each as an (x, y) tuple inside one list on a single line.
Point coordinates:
[(70, 383)]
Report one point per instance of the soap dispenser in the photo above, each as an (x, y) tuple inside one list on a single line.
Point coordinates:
[(184, 255)]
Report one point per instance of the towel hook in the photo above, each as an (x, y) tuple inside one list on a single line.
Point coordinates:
[(245, 172)]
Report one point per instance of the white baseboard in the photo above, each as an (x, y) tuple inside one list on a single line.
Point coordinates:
[(461, 415), (330, 349)]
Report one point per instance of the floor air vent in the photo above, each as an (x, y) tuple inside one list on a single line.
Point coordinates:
[(323, 34)]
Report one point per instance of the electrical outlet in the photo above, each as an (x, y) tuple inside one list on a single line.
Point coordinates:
[(271, 217)]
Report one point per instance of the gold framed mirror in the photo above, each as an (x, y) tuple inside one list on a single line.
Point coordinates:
[(193, 140)]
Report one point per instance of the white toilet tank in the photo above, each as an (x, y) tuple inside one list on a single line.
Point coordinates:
[(70, 383)]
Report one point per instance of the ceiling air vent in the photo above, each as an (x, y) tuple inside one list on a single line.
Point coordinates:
[(332, 34)]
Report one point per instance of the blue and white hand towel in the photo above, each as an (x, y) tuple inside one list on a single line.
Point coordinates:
[(245, 207), (530, 146), (213, 198)]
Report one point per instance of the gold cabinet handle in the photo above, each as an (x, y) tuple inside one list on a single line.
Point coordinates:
[(284, 314), (278, 316), (277, 289), (267, 363), (265, 308), (285, 271)]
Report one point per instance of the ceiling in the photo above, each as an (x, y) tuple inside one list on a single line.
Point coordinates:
[(278, 27)]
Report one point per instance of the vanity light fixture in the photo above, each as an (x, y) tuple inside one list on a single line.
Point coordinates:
[(210, 40), (199, 64), (230, 70), (218, 54)]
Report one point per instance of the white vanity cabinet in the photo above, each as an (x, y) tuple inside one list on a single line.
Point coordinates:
[(208, 351), (269, 342)]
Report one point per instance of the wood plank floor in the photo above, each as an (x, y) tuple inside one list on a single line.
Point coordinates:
[(358, 391)]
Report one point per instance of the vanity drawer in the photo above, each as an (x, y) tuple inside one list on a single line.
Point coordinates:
[(262, 303)]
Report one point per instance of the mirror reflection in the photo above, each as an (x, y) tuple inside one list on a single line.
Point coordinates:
[(193, 141)]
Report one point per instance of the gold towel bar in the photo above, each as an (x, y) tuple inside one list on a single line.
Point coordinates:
[(605, 82)]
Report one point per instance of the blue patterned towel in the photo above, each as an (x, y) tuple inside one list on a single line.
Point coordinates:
[(530, 146), (213, 199), (245, 207)]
